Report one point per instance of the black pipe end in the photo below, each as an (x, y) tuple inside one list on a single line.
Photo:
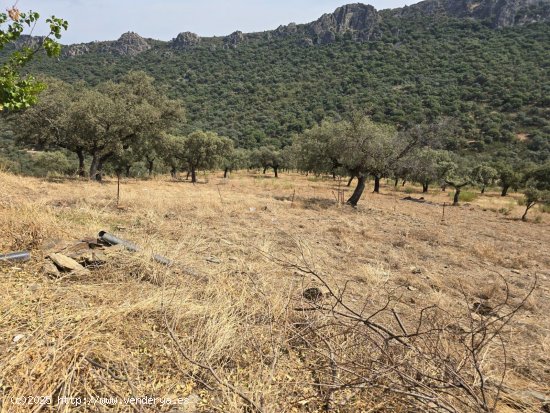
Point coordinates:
[(101, 233)]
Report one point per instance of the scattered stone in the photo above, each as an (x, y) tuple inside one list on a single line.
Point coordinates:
[(50, 269), (516, 271), (415, 270), (76, 249), (315, 293), (18, 338), (90, 258), (65, 263), (213, 260), (411, 288)]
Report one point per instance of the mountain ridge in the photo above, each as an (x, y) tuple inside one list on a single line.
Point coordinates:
[(358, 21)]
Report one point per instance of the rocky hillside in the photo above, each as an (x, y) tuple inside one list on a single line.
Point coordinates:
[(484, 64), (357, 21)]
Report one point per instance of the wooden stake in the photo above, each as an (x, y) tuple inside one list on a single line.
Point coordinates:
[(118, 190)]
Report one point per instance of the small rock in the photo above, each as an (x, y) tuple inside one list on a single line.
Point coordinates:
[(18, 338), (252, 209), (416, 271), (90, 258), (50, 269), (213, 260), (65, 263), (516, 271), (33, 287), (411, 288), (315, 293)]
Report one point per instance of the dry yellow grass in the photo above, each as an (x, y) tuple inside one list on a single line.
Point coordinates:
[(131, 327)]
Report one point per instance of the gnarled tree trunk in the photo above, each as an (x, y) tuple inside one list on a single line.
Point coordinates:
[(94, 166), (376, 184), (505, 190), (80, 154), (356, 196), (425, 187)]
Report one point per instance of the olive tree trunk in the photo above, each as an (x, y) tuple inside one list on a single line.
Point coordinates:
[(376, 184), (80, 154), (529, 206), (356, 196)]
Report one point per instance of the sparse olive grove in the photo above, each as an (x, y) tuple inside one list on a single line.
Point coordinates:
[(104, 123), (131, 125)]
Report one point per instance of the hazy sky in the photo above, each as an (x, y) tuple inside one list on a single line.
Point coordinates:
[(163, 19)]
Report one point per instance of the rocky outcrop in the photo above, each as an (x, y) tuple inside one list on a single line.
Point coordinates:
[(129, 44), (186, 40), (305, 42), (499, 13), (234, 39), (357, 20), (75, 50)]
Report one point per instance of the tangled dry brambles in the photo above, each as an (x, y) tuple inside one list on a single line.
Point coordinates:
[(402, 312)]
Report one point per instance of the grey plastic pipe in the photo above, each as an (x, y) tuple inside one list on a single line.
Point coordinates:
[(130, 246), (20, 256)]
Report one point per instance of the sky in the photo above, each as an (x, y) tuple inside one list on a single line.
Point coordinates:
[(91, 20)]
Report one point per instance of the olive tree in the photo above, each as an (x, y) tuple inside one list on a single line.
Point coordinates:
[(358, 146), (508, 176), (426, 166), (204, 150), (483, 175), (537, 187), (235, 159), (104, 121), (457, 175), (48, 125), (267, 157)]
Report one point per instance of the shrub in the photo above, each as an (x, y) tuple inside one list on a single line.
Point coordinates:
[(466, 196)]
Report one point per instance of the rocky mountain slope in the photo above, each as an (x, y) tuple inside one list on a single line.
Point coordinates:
[(483, 64), (357, 21)]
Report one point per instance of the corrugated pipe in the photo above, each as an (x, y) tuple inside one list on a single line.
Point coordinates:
[(130, 246), (20, 256)]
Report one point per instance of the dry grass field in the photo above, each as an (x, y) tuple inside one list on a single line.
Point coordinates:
[(235, 333)]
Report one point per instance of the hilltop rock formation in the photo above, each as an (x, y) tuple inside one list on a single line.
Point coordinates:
[(354, 21), (186, 40), (130, 44), (358, 20), (234, 39), (500, 13)]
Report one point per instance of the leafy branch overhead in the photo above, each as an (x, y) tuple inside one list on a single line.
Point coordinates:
[(19, 91)]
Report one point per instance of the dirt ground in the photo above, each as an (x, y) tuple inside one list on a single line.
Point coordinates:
[(134, 328)]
